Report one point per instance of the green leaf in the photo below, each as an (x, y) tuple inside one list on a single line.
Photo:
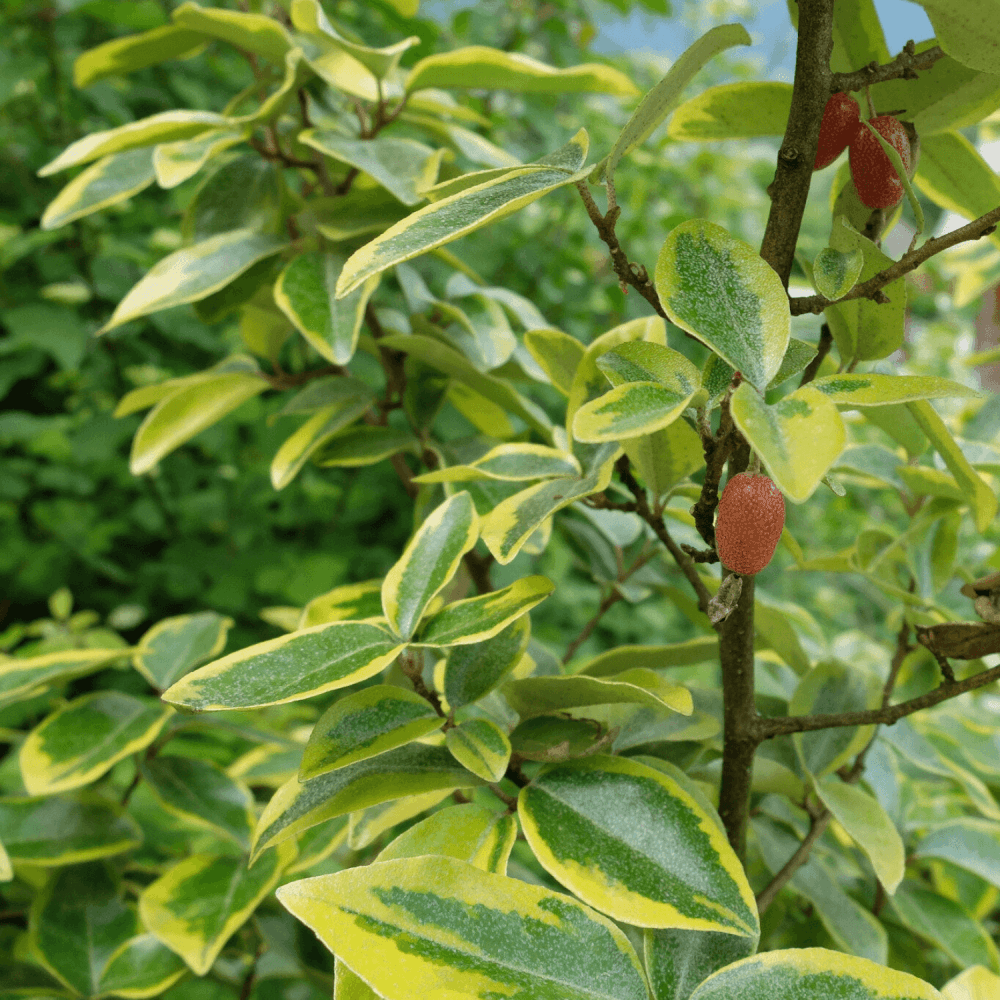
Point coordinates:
[(106, 182), (77, 922), (719, 289), (141, 967), (364, 724), (478, 618), (653, 386), (497, 390), (857, 37), (969, 32), (663, 98), (557, 353), (474, 670), (292, 667), (863, 329), (832, 687), (64, 829), (404, 167), (194, 273), (676, 654), (677, 960), (242, 194), (445, 929), (19, 676), (469, 832), (975, 492), (853, 928), (869, 826), (640, 685), (359, 212), (812, 972), (175, 162), (512, 521), (512, 462), (946, 924), (125, 55), (665, 457), (318, 843), (969, 842), (481, 746), (85, 738), (186, 412), (295, 451), (798, 438), (835, 273), (395, 774), (428, 562), (464, 212), (364, 445), (255, 33), (174, 646), (733, 111), (855, 389), (308, 17), (352, 600), (481, 66), (661, 862), (304, 293), (200, 792), (197, 904), (167, 126)]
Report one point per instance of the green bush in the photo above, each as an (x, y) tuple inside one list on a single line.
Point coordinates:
[(469, 478)]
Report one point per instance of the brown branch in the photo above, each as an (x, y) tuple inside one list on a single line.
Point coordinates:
[(870, 289), (904, 66), (717, 451), (608, 601), (822, 350), (284, 380), (409, 663), (628, 273), (792, 176), (479, 570)]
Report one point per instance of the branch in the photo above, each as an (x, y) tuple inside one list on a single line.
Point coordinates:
[(871, 288), (904, 66), (608, 601), (628, 273), (822, 350), (716, 450)]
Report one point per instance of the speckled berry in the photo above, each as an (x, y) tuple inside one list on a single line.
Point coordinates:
[(875, 178), (840, 121), (751, 516)]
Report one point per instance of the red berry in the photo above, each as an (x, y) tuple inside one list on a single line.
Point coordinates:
[(747, 529), (875, 178), (840, 122)]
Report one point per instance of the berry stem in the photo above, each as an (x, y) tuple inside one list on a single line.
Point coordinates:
[(754, 469), (871, 103)]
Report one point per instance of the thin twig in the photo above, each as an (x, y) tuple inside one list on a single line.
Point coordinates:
[(904, 66), (870, 289), (822, 350)]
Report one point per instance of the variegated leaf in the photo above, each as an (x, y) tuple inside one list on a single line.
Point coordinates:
[(721, 291), (677, 960), (677, 654), (476, 619), (175, 162), (439, 928), (428, 562), (733, 111), (464, 212), (661, 862), (817, 973), (473, 670), (352, 600), (174, 646), (977, 983), (292, 667), (640, 686), (856, 389), (85, 738), (481, 746), (798, 438), (512, 462), (364, 724), (21, 675), (196, 905), (409, 770), (366, 825), (125, 55), (256, 33), (107, 182), (557, 354)]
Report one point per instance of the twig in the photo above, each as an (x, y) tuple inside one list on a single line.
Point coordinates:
[(904, 66), (977, 229), (717, 451), (628, 273), (608, 601), (410, 665), (822, 350)]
